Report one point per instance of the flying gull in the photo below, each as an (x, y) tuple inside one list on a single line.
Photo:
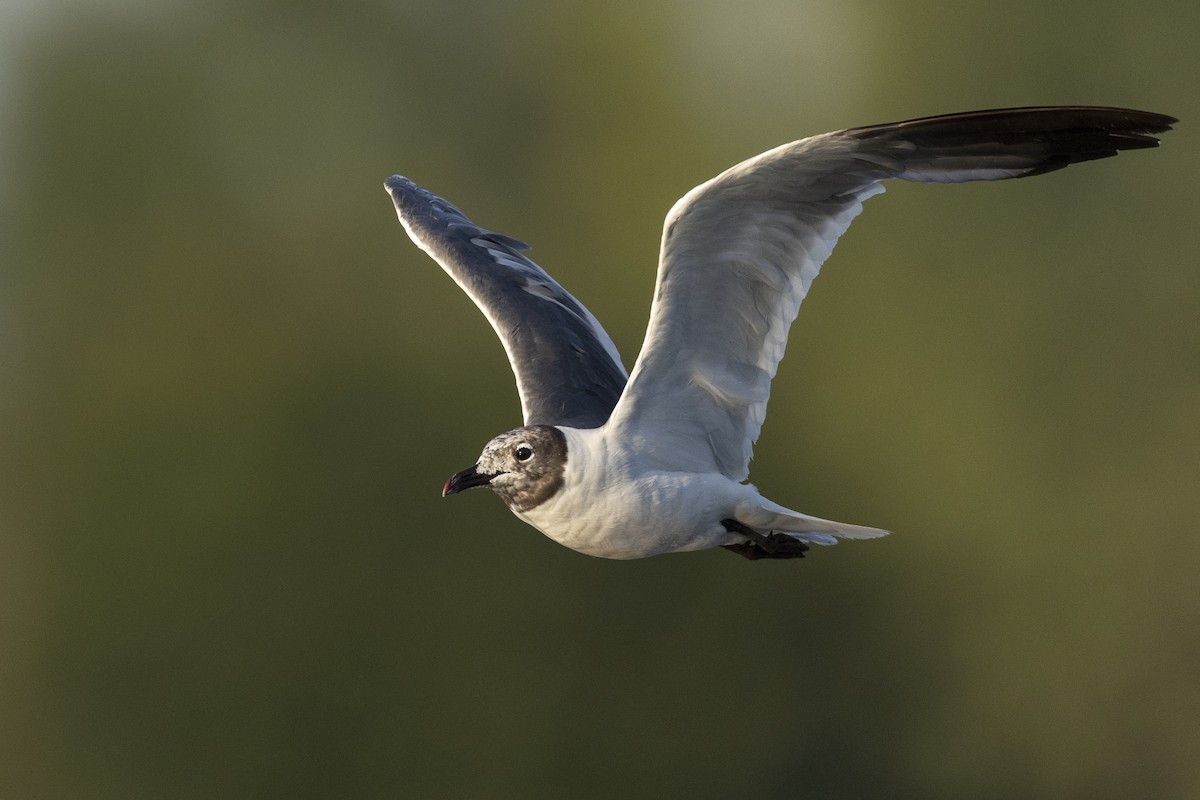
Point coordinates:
[(628, 466)]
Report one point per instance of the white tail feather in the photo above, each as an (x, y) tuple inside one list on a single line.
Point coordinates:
[(773, 517)]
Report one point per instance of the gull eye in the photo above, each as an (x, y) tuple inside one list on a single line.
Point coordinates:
[(523, 453)]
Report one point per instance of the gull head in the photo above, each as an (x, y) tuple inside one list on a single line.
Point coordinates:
[(524, 466)]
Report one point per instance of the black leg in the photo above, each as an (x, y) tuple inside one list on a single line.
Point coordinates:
[(770, 545), (747, 550)]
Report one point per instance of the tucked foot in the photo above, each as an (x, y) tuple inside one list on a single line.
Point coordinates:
[(769, 545)]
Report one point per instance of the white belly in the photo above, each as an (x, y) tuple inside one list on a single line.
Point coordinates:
[(656, 512)]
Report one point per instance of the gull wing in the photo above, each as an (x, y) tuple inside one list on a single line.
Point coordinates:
[(568, 370), (740, 252)]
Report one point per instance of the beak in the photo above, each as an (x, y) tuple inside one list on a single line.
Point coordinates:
[(467, 479)]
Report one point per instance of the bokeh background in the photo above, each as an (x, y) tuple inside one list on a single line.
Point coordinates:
[(230, 390)]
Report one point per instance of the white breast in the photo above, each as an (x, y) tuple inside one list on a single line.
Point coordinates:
[(608, 507)]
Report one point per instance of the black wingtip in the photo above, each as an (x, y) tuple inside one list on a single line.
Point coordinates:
[(1123, 128), (1049, 137), (397, 184)]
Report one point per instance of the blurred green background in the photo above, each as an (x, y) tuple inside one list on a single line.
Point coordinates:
[(230, 390)]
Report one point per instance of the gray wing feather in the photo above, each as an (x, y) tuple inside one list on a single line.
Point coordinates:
[(740, 252), (568, 370)]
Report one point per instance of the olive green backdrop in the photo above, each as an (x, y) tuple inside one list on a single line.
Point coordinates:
[(231, 388)]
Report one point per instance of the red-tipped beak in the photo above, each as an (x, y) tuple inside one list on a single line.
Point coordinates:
[(467, 479)]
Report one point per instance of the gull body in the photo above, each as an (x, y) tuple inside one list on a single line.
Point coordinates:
[(614, 505), (631, 465)]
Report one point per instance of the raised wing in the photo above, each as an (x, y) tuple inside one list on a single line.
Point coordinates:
[(740, 252), (568, 370)]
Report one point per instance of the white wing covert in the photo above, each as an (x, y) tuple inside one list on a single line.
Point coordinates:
[(740, 252)]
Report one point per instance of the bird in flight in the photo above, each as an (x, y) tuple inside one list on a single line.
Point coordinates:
[(655, 461)]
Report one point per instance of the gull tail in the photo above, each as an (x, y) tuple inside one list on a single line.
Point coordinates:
[(768, 516)]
